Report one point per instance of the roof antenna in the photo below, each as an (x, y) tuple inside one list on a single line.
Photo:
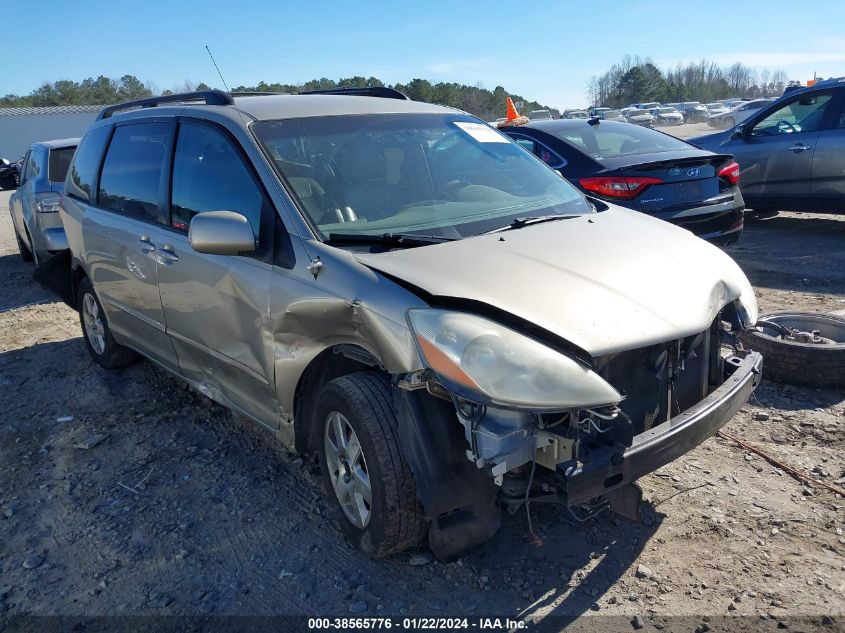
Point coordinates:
[(225, 85), (217, 68)]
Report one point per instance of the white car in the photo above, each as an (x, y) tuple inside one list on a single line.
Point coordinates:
[(638, 117), (737, 114), (667, 116)]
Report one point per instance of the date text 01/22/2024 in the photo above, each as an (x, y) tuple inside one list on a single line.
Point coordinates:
[(415, 624)]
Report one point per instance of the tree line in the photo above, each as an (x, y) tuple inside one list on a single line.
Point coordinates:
[(483, 103), (637, 80)]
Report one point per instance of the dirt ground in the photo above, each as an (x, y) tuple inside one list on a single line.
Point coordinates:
[(183, 508), (687, 130)]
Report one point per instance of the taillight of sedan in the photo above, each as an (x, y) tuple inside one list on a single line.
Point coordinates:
[(730, 173), (619, 187)]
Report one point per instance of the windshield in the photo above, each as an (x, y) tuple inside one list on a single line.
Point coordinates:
[(445, 175), (610, 140)]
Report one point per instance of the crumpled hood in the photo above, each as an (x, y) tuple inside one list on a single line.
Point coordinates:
[(606, 282)]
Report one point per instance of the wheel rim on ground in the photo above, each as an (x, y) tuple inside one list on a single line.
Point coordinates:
[(807, 328), (347, 469), (94, 330)]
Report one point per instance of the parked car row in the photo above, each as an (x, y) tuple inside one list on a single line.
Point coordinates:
[(683, 112), (366, 276)]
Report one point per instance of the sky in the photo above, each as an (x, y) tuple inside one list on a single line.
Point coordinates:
[(540, 50)]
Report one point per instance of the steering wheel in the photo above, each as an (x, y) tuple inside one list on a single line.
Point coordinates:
[(786, 126)]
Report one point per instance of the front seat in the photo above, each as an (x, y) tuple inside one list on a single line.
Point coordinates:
[(364, 183)]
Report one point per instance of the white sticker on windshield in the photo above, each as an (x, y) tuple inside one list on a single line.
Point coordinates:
[(481, 133)]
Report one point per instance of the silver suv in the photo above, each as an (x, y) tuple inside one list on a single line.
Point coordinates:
[(35, 204), (399, 288)]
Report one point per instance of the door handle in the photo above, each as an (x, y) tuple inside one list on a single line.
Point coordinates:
[(166, 255), (800, 148), (145, 244)]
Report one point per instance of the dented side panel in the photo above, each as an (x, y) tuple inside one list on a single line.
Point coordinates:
[(340, 302), (216, 311)]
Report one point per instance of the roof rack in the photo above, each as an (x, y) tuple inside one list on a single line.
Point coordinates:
[(218, 97), (256, 93), (374, 91), (209, 97)]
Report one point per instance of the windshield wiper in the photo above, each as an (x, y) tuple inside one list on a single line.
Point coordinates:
[(387, 239), (518, 223)]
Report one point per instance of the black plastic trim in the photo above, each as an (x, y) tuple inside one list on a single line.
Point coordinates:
[(658, 446), (363, 91), (209, 97)]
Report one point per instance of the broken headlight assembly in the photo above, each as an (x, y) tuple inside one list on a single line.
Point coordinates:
[(483, 361)]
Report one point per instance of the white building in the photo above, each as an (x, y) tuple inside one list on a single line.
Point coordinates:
[(21, 127)]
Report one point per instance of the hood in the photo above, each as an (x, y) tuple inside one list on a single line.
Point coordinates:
[(713, 142), (606, 282)]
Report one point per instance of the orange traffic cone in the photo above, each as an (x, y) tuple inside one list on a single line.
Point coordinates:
[(512, 114), (513, 117)]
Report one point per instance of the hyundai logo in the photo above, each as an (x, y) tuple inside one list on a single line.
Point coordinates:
[(692, 173)]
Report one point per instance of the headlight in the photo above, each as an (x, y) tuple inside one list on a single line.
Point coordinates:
[(474, 357)]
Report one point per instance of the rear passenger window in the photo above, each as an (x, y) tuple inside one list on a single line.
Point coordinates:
[(209, 175), (541, 151), (131, 176), (86, 162), (58, 163)]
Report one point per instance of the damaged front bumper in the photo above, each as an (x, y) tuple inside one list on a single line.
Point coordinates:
[(599, 473)]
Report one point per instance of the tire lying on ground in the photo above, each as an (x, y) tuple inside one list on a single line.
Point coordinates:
[(800, 348)]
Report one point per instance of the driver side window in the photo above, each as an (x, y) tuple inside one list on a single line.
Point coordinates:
[(803, 114)]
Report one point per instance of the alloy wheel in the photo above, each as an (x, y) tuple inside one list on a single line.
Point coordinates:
[(94, 329), (347, 468)]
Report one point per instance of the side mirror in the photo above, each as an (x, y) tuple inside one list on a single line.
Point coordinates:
[(221, 233), (739, 131)]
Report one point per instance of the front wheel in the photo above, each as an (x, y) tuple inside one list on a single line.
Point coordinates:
[(95, 330), (370, 486)]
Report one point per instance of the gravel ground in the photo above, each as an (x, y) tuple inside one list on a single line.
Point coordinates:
[(184, 508), (687, 130)]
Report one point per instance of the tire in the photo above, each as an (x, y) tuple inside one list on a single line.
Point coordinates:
[(800, 363), (103, 348), (729, 123), (394, 520), (26, 254), (35, 258)]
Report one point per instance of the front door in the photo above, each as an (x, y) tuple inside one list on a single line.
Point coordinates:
[(828, 189), (776, 153), (217, 307)]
